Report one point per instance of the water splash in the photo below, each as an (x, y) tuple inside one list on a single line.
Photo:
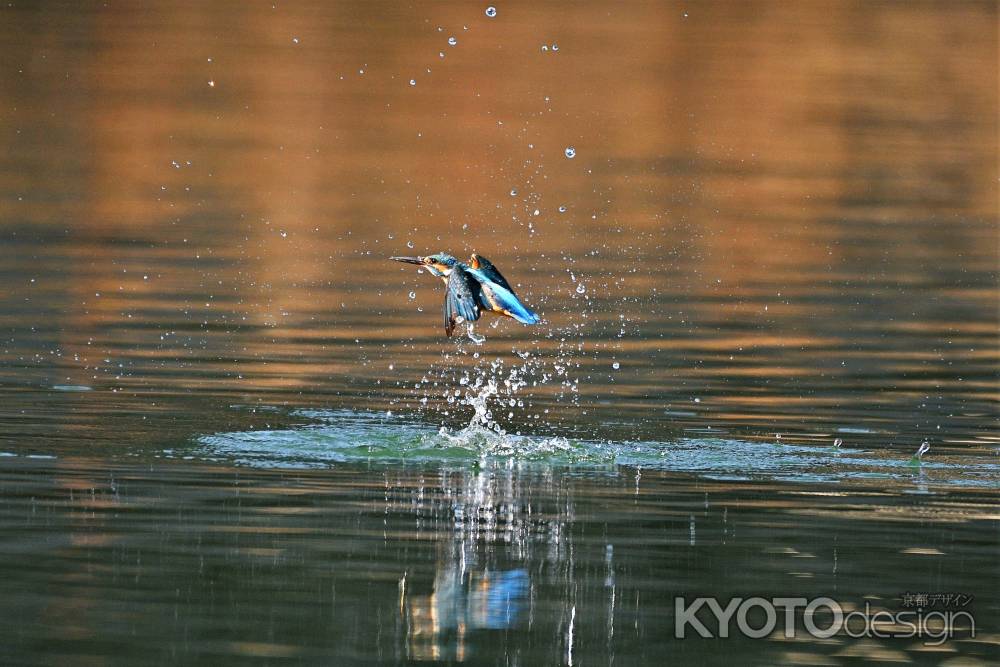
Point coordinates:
[(918, 456), (478, 339), (924, 448), (484, 386), (493, 392)]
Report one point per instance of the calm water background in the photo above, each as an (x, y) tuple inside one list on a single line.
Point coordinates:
[(779, 228)]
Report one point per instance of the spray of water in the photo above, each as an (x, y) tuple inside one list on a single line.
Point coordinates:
[(490, 387)]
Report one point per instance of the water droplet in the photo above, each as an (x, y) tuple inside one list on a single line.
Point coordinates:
[(452, 41), (580, 289), (545, 47), (413, 82), (616, 365), (409, 244), (555, 47), (562, 209), (513, 193), (474, 337), (570, 152), (837, 442), (491, 11), (413, 295), (537, 212)]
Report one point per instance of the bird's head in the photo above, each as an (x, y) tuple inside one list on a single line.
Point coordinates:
[(439, 264)]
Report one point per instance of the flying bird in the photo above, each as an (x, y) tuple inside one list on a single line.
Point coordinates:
[(472, 288)]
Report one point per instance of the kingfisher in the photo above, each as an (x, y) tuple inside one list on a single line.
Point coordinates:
[(472, 288)]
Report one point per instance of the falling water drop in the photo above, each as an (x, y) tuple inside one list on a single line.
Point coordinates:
[(413, 82), (562, 209), (413, 295), (491, 11), (513, 193), (918, 456), (555, 47), (474, 337), (570, 152), (580, 289), (409, 244), (452, 41), (616, 365)]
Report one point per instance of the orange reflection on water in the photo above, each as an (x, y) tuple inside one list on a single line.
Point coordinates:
[(201, 198)]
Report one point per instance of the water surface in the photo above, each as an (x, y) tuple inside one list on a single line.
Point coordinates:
[(230, 428)]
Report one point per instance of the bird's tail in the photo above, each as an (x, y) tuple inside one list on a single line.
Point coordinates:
[(525, 315), (511, 305)]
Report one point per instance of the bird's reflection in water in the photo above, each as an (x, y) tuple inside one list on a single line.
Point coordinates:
[(438, 625), (491, 532)]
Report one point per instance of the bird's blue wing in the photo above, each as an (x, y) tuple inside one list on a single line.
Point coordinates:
[(461, 299), (499, 293), (486, 267), (507, 302)]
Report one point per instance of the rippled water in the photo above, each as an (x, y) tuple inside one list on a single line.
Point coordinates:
[(382, 441), (762, 237)]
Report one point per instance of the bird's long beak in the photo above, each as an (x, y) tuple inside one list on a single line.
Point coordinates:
[(408, 260)]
